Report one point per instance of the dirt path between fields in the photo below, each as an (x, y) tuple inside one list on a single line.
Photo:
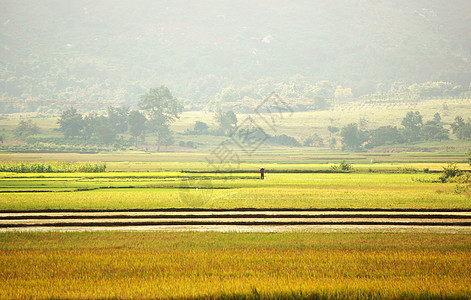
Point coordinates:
[(239, 220)]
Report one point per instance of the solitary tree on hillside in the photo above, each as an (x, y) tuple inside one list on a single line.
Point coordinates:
[(162, 108)]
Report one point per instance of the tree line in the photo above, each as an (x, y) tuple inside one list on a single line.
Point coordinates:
[(414, 129), (227, 125), (158, 109)]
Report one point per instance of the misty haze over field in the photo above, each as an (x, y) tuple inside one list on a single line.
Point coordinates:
[(92, 54)]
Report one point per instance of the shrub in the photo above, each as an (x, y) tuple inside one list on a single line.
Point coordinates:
[(452, 173), (51, 167), (342, 167), (409, 170), (284, 140)]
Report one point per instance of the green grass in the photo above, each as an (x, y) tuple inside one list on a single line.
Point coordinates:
[(279, 160), (163, 190)]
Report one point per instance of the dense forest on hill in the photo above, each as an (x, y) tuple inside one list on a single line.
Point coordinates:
[(92, 54)]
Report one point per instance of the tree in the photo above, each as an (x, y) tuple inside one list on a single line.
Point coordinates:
[(117, 118), (464, 132), (162, 108), (284, 140), (228, 94), (227, 121), (344, 166), (332, 130), (461, 128), (343, 93), (97, 128), (106, 134), (437, 118), (352, 137), (450, 172), (90, 124), (71, 123), (385, 135), (308, 142), (200, 127), (26, 128), (314, 140), (433, 131), (457, 124), (332, 143), (432, 89), (412, 123), (136, 124)]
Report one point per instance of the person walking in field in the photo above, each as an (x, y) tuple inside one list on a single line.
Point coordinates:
[(262, 173)]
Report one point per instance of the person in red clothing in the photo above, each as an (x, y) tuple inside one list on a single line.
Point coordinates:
[(262, 173)]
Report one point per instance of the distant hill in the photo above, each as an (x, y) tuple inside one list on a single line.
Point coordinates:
[(90, 54)]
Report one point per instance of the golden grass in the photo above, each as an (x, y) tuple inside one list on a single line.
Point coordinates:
[(131, 273), (218, 265)]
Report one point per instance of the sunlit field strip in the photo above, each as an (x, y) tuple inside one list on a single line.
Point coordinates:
[(275, 159), (303, 166), (234, 180), (164, 190), (212, 240), (442, 197), (143, 265)]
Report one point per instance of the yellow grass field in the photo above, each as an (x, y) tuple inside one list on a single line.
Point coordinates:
[(122, 273), (234, 265)]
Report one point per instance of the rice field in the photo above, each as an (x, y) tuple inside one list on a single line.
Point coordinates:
[(148, 190), (234, 265)]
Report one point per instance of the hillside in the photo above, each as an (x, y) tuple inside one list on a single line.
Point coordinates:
[(91, 54)]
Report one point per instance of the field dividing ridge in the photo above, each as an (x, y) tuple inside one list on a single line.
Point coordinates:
[(231, 220)]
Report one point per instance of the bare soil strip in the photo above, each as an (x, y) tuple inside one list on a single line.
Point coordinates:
[(243, 209), (235, 220), (232, 216)]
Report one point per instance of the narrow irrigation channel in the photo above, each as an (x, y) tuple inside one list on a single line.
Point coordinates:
[(235, 219)]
